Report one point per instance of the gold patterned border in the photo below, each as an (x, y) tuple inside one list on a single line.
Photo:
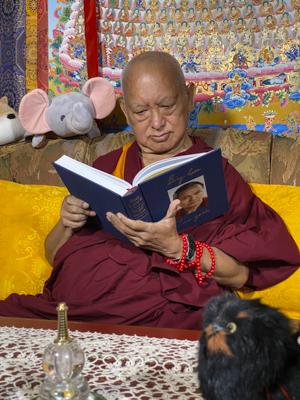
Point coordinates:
[(31, 44)]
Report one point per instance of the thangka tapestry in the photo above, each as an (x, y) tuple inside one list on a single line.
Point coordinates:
[(67, 46), (243, 56)]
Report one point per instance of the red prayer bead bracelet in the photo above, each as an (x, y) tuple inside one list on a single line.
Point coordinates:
[(183, 263)]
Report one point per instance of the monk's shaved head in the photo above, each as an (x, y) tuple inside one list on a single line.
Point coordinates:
[(156, 102), (156, 62)]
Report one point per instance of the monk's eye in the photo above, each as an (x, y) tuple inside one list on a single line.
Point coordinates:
[(231, 327)]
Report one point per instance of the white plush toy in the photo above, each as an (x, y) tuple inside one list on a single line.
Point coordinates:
[(11, 129)]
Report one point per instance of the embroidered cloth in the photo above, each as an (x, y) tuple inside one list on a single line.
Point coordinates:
[(116, 366)]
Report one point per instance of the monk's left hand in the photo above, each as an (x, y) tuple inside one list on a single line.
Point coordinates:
[(161, 236)]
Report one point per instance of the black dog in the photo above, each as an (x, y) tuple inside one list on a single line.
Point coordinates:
[(247, 352)]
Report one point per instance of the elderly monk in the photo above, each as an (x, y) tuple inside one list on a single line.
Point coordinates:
[(140, 282)]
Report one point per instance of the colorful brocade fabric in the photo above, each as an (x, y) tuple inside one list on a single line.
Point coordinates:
[(31, 44)]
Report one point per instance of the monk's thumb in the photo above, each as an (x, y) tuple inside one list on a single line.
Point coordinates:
[(174, 207)]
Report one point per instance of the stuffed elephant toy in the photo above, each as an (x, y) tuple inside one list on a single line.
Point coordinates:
[(68, 114)]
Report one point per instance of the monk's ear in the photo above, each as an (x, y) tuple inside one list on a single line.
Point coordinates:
[(123, 107), (191, 90)]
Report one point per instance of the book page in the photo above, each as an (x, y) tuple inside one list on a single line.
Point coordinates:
[(157, 168), (111, 182)]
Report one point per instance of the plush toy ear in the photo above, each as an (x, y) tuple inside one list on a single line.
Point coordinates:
[(4, 100), (102, 95), (32, 112)]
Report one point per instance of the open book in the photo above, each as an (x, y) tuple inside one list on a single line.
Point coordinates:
[(197, 180)]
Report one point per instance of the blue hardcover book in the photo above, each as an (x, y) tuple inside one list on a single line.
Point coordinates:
[(197, 180)]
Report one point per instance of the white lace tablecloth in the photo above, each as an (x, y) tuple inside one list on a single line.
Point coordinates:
[(117, 366)]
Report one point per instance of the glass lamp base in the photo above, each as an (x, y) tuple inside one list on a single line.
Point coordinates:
[(91, 396), (76, 389)]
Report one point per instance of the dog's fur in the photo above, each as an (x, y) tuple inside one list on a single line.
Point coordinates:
[(247, 352)]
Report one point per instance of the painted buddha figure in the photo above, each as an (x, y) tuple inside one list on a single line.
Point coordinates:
[(234, 12), (191, 14), (154, 5), (143, 29), (184, 29), (181, 44), (110, 14), (254, 25), (149, 16), (249, 13), (205, 15), (171, 29), (178, 15), (200, 4), (280, 7), (121, 41), (129, 29), (163, 16), (219, 15), (198, 28), (150, 42), (213, 4), (166, 42), (157, 29), (106, 26), (135, 15), (184, 5), (136, 41), (281, 36), (226, 26), (212, 27), (118, 28), (270, 22), (286, 19), (109, 40), (266, 9), (240, 25), (123, 15), (247, 38)]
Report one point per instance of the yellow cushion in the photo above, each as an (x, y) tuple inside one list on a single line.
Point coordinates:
[(285, 201), (28, 212)]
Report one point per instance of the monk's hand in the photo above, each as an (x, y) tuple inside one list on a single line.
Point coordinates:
[(74, 212), (161, 236)]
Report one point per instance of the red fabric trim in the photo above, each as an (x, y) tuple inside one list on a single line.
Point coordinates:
[(91, 37), (42, 44), (285, 393), (282, 391)]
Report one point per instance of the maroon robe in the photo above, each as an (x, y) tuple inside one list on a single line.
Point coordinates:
[(103, 279)]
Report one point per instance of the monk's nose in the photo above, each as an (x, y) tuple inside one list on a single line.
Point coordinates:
[(157, 120)]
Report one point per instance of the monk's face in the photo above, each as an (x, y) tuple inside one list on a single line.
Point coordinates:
[(157, 109), (191, 198)]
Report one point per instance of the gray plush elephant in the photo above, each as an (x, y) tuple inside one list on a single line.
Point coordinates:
[(67, 114)]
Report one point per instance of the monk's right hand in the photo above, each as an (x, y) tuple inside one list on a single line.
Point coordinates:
[(75, 212)]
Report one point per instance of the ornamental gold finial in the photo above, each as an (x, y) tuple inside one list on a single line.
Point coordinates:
[(62, 325)]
